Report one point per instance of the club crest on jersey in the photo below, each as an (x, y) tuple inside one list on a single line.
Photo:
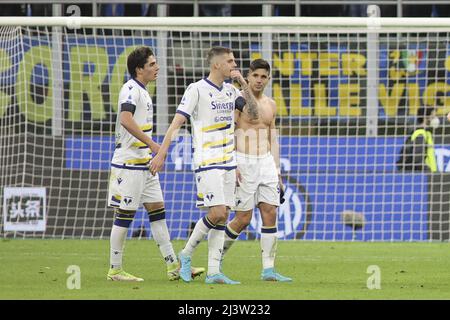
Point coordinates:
[(169, 259), (127, 200)]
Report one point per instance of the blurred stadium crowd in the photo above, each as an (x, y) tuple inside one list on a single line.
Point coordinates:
[(174, 10)]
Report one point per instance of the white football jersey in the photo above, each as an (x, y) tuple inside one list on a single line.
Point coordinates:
[(131, 153), (211, 111)]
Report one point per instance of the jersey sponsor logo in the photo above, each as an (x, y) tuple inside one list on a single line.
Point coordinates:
[(217, 105), (223, 118)]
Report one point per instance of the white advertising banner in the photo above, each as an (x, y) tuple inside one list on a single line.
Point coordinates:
[(24, 209)]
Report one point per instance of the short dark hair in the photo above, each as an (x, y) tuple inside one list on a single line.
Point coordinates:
[(216, 51), (137, 59), (259, 64)]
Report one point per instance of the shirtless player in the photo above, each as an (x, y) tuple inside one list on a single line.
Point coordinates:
[(259, 178)]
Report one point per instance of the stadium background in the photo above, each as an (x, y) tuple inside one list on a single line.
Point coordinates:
[(329, 163)]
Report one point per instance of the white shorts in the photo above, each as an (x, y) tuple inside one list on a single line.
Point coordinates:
[(215, 187), (259, 182), (130, 188)]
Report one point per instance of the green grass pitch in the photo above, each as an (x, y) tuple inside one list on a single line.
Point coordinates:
[(36, 269)]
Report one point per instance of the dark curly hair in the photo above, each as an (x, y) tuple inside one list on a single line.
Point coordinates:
[(137, 59)]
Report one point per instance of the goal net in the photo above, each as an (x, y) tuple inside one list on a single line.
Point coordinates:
[(348, 93)]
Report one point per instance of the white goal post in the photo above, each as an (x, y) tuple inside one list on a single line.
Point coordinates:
[(348, 93)]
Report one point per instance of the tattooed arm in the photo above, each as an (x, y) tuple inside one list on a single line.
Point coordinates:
[(252, 105)]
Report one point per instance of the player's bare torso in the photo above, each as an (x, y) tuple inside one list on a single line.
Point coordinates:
[(253, 136)]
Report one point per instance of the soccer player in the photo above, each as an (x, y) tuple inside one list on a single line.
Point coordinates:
[(131, 182), (210, 104), (259, 177)]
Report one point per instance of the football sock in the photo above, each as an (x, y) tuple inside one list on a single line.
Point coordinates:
[(117, 244), (268, 246), (161, 235), (230, 237), (119, 231), (201, 229), (215, 248)]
